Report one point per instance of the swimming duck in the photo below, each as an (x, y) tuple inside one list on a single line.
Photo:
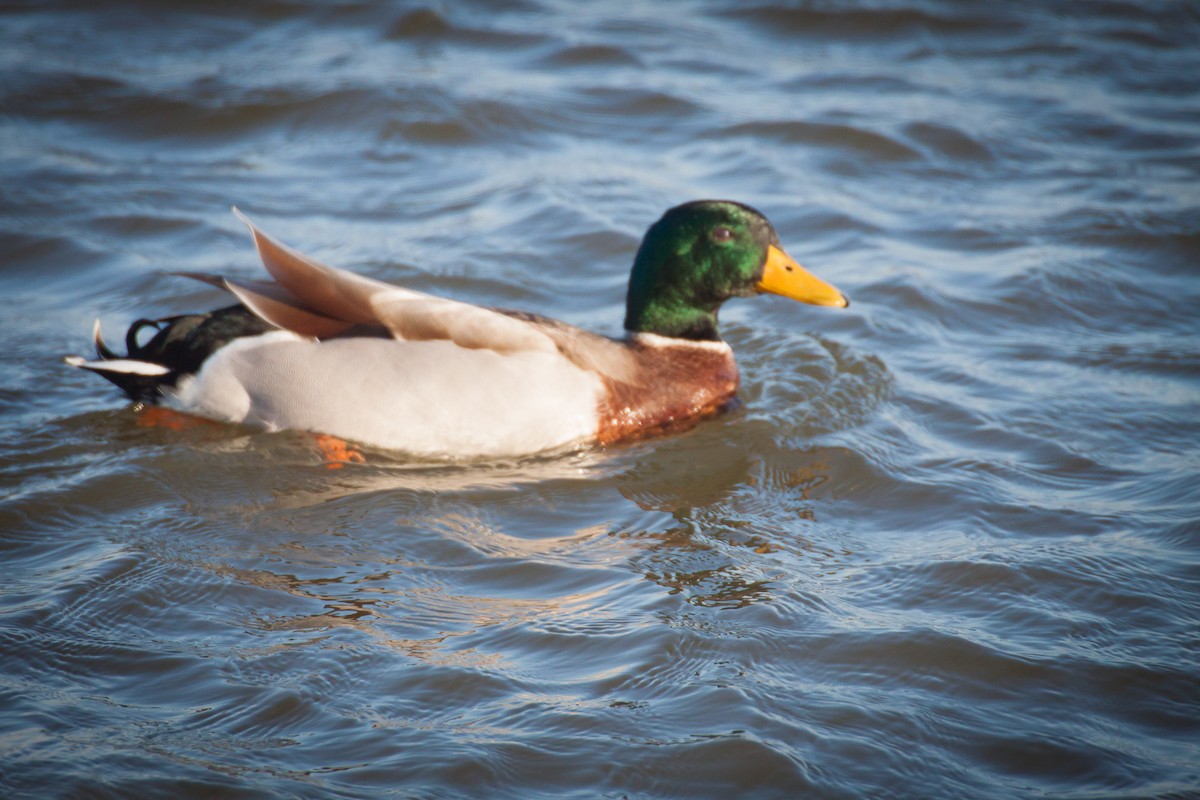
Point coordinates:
[(332, 352)]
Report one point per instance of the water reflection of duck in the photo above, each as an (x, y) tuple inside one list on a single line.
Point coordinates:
[(329, 351)]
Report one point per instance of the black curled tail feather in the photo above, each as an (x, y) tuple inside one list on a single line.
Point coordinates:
[(179, 346), (131, 336)]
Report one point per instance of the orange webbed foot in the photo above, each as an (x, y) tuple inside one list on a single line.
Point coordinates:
[(336, 452)]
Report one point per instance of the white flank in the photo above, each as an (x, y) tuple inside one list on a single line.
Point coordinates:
[(429, 398)]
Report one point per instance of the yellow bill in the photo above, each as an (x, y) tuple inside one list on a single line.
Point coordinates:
[(783, 276)]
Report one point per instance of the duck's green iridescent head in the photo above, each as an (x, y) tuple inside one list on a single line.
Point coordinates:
[(702, 253)]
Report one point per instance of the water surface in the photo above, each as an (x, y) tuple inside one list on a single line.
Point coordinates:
[(948, 546)]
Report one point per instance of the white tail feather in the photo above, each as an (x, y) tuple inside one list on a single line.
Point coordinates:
[(125, 366)]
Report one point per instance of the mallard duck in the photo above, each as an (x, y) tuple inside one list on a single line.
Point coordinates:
[(328, 351)]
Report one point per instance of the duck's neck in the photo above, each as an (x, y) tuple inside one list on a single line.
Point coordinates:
[(672, 291), (665, 308), (697, 327)]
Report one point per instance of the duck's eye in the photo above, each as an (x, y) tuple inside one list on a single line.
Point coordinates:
[(722, 234)]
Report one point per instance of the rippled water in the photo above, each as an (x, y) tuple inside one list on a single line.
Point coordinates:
[(946, 547)]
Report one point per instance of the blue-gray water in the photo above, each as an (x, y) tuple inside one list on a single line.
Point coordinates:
[(949, 546)]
